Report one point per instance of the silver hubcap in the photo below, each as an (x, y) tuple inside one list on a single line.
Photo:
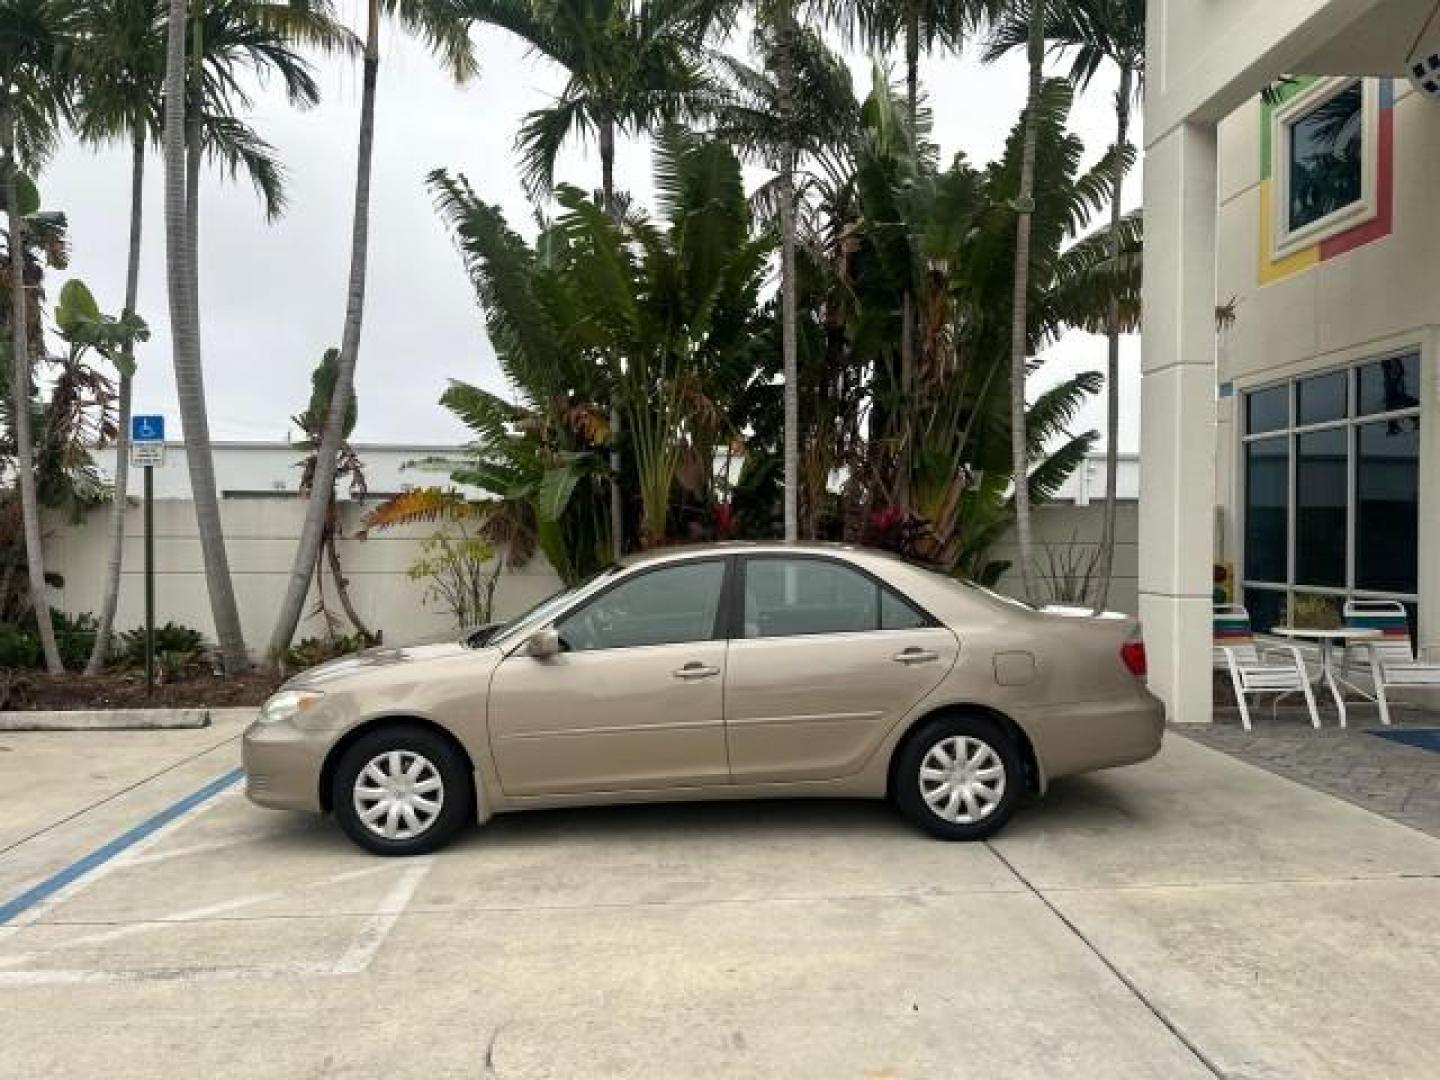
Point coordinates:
[(962, 779), (398, 795)]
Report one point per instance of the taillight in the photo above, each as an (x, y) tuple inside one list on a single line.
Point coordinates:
[(1133, 653)]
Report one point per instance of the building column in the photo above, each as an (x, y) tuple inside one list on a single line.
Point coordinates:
[(1177, 426)]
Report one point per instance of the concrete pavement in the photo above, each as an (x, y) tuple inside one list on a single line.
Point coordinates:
[(1191, 917)]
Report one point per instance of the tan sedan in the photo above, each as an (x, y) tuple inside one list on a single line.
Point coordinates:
[(718, 672)]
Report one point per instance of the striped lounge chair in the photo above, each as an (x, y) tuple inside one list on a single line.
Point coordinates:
[(1391, 657), (1276, 669)]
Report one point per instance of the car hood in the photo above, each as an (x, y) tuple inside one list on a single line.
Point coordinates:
[(384, 656)]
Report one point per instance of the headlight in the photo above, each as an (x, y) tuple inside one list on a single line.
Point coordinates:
[(288, 704)]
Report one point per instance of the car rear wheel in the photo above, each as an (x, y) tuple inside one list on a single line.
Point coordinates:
[(402, 791), (959, 777)]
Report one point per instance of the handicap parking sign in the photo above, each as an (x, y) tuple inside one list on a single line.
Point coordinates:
[(149, 428)]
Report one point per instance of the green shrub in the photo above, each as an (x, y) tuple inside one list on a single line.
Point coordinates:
[(19, 648), (74, 636), (179, 650), (314, 650)]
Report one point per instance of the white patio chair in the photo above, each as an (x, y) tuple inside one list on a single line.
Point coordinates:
[(1391, 657), (1274, 669)]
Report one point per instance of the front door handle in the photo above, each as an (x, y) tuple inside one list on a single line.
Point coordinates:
[(696, 670), (913, 655)]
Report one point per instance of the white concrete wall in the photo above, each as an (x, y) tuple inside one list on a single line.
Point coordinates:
[(270, 468), (1059, 526), (261, 536)]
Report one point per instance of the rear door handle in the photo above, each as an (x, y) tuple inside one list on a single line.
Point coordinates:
[(696, 670), (915, 656)]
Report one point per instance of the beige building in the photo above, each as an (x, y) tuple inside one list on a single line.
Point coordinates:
[(1292, 317)]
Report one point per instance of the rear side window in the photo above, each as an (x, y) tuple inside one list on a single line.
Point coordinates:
[(790, 597)]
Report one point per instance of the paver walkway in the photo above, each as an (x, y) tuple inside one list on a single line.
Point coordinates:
[(1383, 776)]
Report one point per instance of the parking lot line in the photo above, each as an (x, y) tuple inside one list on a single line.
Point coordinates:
[(103, 854)]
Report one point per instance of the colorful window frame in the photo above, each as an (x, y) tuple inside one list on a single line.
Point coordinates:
[(1283, 252)]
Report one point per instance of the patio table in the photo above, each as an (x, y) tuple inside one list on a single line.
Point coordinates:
[(1327, 640)]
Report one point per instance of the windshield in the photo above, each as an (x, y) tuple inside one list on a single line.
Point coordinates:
[(542, 612)]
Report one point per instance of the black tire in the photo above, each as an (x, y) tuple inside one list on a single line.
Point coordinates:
[(455, 791), (999, 752)]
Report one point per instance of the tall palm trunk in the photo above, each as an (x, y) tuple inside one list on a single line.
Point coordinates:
[(788, 346), (20, 393), (322, 490), (1112, 330), (115, 559), (1025, 207), (180, 272), (617, 504), (906, 412)]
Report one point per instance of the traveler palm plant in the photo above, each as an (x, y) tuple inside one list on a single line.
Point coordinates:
[(631, 66)]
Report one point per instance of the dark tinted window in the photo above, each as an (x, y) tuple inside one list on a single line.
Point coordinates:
[(1267, 508), (1321, 478), (807, 596), (1322, 398), (661, 607), (1389, 385), (1326, 147), (1387, 504), (1267, 609), (1267, 410)]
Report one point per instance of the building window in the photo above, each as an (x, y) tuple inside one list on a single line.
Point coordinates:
[(1325, 143), (1332, 491)]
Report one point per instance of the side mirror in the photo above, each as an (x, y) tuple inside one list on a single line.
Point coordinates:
[(543, 643)]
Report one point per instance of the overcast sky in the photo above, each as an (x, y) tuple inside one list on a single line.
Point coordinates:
[(272, 296)]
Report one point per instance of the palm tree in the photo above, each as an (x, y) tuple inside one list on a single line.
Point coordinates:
[(120, 62), (34, 97), (632, 65), (228, 39), (1096, 32), (435, 21), (1024, 211), (799, 112)]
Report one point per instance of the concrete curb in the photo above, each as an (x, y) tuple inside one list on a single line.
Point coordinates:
[(104, 719)]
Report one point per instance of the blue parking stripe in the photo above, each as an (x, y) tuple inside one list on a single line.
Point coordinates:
[(83, 865)]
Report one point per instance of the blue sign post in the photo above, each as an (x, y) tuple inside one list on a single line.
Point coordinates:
[(147, 449)]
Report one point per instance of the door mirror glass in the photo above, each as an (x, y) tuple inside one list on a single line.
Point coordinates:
[(543, 643)]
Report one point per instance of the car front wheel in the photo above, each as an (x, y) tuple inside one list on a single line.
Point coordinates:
[(959, 777), (401, 791)]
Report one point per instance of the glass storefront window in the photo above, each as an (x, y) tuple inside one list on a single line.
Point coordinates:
[(1267, 410), (1322, 466), (1389, 385), (1332, 493), (1387, 505), (1322, 399), (1267, 509)]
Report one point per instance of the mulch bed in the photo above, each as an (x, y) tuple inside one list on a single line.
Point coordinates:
[(31, 690)]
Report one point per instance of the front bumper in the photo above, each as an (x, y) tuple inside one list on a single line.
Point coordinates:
[(283, 764)]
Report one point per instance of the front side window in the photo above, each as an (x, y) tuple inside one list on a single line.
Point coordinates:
[(788, 597), (667, 606), (1326, 166)]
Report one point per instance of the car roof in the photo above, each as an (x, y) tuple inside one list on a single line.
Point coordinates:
[(753, 547)]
